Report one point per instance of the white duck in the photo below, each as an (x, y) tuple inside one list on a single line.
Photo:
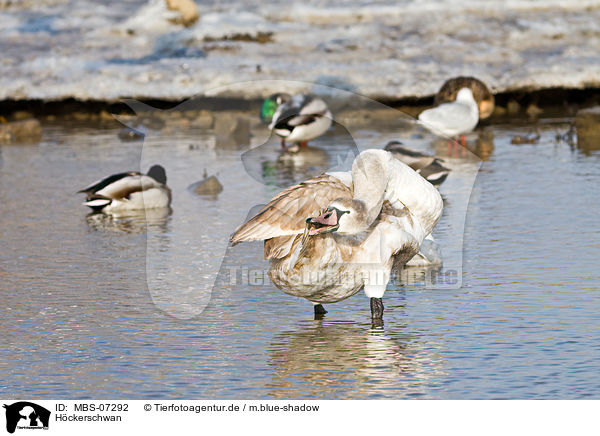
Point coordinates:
[(377, 214), (454, 118), (129, 191), (481, 94), (300, 118)]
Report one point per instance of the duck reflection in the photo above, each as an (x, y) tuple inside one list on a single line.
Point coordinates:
[(484, 146), (295, 164), (322, 360), (270, 165), (480, 146), (136, 221)]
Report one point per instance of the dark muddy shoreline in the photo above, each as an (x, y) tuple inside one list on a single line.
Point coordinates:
[(560, 99)]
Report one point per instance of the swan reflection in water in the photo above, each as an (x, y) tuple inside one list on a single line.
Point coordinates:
[(135, 221), (341, 361)]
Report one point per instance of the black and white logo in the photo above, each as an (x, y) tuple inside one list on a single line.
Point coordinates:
[(26, 415)]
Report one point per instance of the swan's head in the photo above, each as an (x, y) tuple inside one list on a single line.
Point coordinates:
[(343, 216)]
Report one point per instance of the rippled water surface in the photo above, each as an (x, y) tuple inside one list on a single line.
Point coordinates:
[(108, 307)]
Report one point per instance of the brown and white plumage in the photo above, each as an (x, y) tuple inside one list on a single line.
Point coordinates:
[(286, 213), (481, 94), (379, 212)]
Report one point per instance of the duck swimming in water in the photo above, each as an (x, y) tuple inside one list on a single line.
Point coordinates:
[(332, 235), (129, 191)]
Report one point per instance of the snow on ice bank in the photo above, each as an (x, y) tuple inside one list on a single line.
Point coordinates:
[(54, 49)]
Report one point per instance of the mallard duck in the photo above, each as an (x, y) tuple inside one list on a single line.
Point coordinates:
[(296, 119), (481, 94), (454, 118), (270, 105), (332, 235), (429, 167), (129, 191)]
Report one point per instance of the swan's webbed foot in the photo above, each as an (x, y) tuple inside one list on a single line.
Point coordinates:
[(376, 308), (319, 311)]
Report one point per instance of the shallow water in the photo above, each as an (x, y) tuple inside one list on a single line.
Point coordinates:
[(100, 307)]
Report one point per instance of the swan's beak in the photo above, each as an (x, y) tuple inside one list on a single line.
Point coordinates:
[(324, 223)]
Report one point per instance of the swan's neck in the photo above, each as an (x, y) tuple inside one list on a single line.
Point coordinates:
[(369, 179), (378, 176), (422, 199)]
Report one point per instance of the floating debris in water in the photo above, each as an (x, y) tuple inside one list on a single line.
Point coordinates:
[(207, 186), (127, 134), (518, 139)]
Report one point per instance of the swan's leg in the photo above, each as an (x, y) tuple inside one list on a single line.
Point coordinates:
[(283, 143), (376, 308), (303, 143), (376, 282), (319, 310), (375, 293)]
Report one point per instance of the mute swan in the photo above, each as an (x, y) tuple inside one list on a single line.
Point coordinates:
[(481, 94), (454, 118), (129, 191), (297, 119), (432, 170), (332, 235), (429, 167)]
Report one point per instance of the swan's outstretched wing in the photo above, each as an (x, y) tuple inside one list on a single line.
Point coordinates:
[(286, 213)]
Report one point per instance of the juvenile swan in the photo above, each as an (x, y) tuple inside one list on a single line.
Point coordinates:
[(332, 235)]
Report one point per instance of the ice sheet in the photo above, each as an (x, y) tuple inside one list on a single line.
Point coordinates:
[(129, 48)]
